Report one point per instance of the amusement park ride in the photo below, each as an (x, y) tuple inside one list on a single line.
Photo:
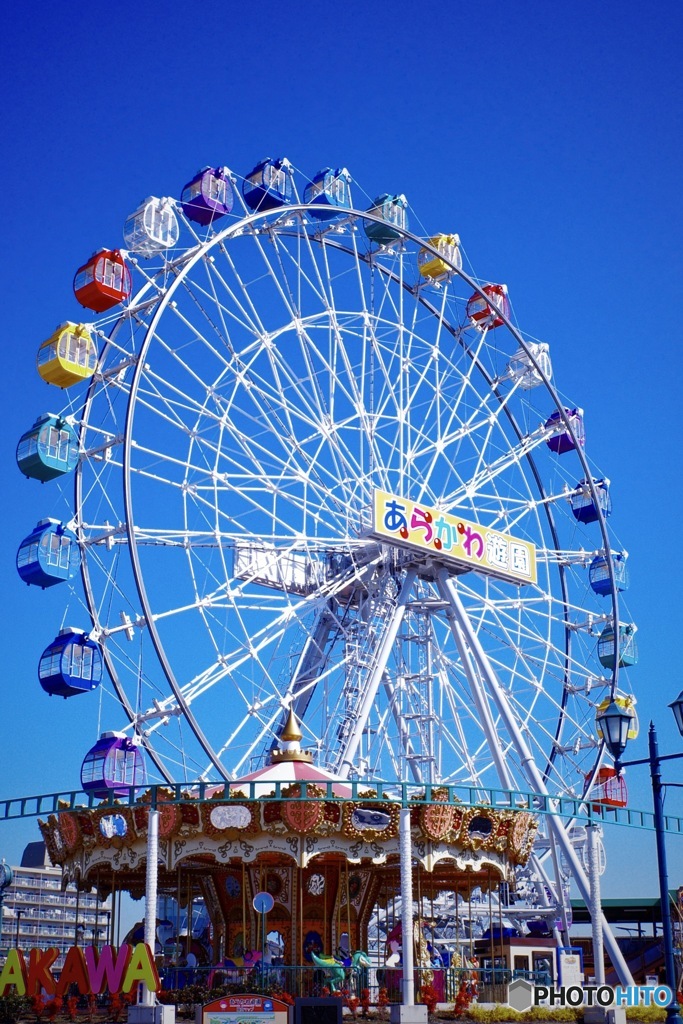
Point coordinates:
[(334, 528)]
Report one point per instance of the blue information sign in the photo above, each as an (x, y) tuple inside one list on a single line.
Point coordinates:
[(263, 902)]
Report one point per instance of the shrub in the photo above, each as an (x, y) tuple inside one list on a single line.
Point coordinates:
[(646, 1014), (352, 1003), (13, 1008), (429, 997), (499, 1013)]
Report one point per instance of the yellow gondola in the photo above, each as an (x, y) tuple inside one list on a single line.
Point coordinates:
[(68, 356), (436, 267)]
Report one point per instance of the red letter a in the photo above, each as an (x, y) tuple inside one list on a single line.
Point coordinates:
[(74, 973)]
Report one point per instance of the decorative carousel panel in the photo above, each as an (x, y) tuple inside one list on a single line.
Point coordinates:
[(114, 827), (52, 836), (437, 820), (218, 818), (190, 816), (277, 881), (86, 825), (478, 829), (522, 836), (170, 818), (70, 831), (368, 821)]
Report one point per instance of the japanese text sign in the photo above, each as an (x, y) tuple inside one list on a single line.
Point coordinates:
[(467, 545)]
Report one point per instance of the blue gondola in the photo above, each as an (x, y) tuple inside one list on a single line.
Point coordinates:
[(49, 555), (599, 574), (208, 196), (394, 213), (269, 185), (70, 665), (561, 440), (331, 189), (113, 766), (583, 504), (48, 449), (628, 651)]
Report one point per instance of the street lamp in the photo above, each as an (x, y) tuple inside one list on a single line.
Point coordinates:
[(677, 708), (614, 723)]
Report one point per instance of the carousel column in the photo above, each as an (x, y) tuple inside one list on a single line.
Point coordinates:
[(147, 1010), (407, 1012), (148, 998)]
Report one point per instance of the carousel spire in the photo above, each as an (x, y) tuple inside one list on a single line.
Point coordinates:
[(289, 747)]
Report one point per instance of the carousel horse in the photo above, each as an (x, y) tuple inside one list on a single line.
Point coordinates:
[(336, 969)]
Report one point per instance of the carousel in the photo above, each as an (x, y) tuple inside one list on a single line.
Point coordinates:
[(328, 852)]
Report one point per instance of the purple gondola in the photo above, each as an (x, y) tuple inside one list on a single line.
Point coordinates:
[(113, 766), (561, 440), (208, 196)]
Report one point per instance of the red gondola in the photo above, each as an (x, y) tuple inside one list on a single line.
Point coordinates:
[(103, 281), (485, 314)]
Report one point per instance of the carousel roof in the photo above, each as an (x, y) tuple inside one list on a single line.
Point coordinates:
[(268, 814), (289, 763)]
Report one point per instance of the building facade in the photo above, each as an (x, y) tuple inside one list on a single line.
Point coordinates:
[(37, 913)]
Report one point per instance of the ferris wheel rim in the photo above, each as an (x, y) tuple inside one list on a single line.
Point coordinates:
[(162, 304)]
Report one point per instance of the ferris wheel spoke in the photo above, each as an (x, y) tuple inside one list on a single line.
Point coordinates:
[(314, 280), (481, 701), (242, 310), (232, 311), (254, 642), (205, 328)]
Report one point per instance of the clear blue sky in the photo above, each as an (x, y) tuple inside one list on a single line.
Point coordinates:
[(547, 136)]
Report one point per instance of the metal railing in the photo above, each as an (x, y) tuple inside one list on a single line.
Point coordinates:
[(380, 986), (407, 794)]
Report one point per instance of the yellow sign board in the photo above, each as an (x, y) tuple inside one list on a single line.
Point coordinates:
[(454, 540)]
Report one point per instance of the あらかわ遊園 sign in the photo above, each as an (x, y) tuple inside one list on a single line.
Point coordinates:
[(467, 545)]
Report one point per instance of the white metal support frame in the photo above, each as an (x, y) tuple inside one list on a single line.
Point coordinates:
[(481, 701), (527, 763), (378, 669)]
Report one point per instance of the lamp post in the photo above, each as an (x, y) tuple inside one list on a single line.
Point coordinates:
[(614, 724)]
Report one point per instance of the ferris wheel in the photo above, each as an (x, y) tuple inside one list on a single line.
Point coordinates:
[(317, 468)]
